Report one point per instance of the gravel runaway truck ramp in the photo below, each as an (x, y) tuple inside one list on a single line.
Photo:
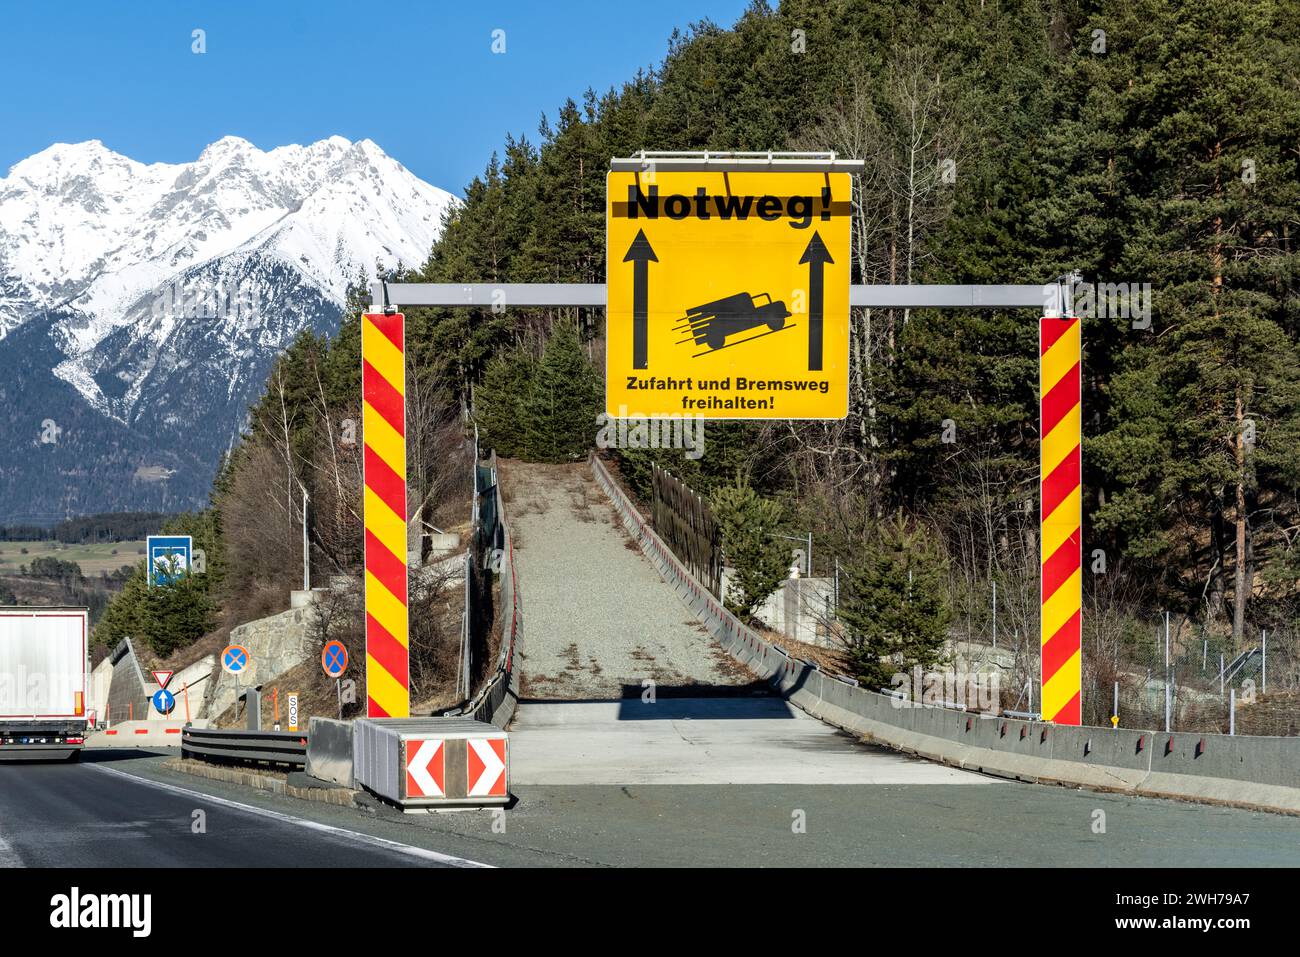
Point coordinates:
[(600, 620)]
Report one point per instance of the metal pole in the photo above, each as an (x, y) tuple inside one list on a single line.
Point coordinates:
[(995, 616), (1205, 650), (306, 549), (1263, 677), (1116, 711), (1232, 711), (338, 688), (1220, 676), (810, 573), (1166, 672)]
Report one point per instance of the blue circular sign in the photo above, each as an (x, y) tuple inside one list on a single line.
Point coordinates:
[(234, 659), (164, 701), (334, 659)]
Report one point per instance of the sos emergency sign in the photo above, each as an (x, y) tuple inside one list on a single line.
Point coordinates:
[(728, 294)]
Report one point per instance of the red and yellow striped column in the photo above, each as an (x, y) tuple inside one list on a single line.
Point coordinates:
[(383, 424), (1061, 534)]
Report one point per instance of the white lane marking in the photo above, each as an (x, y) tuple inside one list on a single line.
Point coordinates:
[(357, 836)]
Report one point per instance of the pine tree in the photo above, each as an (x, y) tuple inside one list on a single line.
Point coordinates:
[(893, 605), (1205, 436), (750, 527), (503, 403), (563, 400)]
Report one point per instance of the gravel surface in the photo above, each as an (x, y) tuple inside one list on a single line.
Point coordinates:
[(598, 619)]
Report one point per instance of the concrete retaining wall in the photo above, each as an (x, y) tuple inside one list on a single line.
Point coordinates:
[(1255, 772), (191, 683), (275, 644), (128, 696)]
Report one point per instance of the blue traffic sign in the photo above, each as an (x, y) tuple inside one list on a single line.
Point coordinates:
[(169, 557), (334, 659), (164, 701), (235, 659)]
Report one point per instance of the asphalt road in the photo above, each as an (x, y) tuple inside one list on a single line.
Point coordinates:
[(92, 814), (87, 815)]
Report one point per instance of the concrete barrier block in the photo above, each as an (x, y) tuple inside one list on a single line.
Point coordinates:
[(329, 751), (1197, 787), (139, 734), (1263, 760)]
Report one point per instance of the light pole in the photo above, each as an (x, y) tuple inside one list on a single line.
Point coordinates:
[(306, 548)]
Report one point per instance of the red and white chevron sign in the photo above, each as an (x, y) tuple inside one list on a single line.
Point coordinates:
[(485, 760), (425, 768)]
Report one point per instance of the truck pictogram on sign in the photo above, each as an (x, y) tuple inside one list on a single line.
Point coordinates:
[(714, 322)]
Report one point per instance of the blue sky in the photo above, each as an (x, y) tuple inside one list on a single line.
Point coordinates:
[(418, 78)]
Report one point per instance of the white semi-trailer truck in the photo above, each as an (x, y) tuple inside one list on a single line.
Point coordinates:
[(43, 667)]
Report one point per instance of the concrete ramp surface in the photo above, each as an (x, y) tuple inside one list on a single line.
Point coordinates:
[(733, 740)]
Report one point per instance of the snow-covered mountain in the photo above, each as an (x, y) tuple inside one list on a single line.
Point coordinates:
[(143, 304)]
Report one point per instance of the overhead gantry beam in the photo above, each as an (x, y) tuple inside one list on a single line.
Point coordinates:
[(592, 295)]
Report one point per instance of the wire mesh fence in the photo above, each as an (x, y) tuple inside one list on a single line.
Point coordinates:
[(1158, 670)]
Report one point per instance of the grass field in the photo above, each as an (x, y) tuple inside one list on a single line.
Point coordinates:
[(93, 559)]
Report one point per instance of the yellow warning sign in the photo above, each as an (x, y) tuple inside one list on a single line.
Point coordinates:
[(728, 294)]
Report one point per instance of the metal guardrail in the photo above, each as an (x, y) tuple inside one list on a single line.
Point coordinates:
[(231, 745), (495, 701)]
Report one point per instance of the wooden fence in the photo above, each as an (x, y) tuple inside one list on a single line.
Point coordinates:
[(685, 522)]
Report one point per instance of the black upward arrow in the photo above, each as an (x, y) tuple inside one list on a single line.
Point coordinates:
[(816, 256), (641, 254)]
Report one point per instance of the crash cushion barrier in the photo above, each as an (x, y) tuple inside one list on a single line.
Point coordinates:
[(1247, 771), (432, 762), (329, 751)]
